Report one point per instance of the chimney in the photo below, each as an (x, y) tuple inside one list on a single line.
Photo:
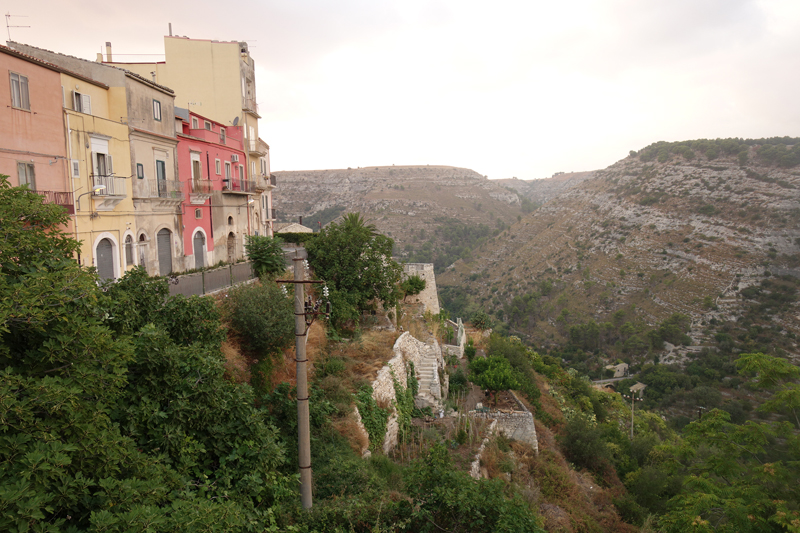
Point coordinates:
[(170, 29), (108, 52), (301, 220)]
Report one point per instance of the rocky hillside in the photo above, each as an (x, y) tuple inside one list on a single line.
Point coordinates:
[(707, 229), (544, 190), (434, 213)]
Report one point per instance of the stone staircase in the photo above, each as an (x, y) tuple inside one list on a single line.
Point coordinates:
[(430, 389)]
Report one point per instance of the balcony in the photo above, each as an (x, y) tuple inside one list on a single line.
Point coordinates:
[(201, 191), (162, 194), (64, 199), (265, 183), (249, 105), (270, 214), (111, 195), (238, 186), (257, 147)]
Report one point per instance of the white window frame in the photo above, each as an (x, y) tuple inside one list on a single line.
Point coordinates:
[(228, 171), (156, 110), (22, 98), (222, 136), (198, 214), (195, 123), (26, 173), (241, 172), (207, 125), (218, 166), (75, 167)]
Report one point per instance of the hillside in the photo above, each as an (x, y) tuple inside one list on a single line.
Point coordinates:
[(434, 214), (544, 190), (712, 237)]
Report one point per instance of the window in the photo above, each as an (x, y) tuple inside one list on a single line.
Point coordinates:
[(26, 174), (19, 92), (252, 168), (207, 125), (222, 135), (230, 221), (129, 250), (195, 124), (140, 171), (227, 170), (198, 213), (196, 168), (241, 171), (76, 168), (157, 110), (82, 103), (102, 164), (219, 166)]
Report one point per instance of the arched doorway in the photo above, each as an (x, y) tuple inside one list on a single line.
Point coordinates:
[(104, 254), (164, 243), (199, 247), (231, 247), (143, 250)]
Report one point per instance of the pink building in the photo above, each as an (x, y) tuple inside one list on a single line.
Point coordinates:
[(33, 146), (219, 197)]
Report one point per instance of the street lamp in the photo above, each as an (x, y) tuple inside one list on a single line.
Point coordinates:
[(96, 189)]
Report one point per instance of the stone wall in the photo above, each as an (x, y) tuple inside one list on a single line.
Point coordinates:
[(517, 424), (429, 298), (407, 350), (456, 349)]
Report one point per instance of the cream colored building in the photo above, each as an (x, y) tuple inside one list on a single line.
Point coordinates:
[(121, 132), (217, 80), (97, 146)]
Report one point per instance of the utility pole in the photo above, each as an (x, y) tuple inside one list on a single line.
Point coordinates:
[(633, 400), (304, 314), (303, 431)]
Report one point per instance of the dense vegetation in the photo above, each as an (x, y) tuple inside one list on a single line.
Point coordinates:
[(449, 240), (356, 262), (782, 151)]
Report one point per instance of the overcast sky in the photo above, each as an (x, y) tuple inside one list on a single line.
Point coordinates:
[(506, 88)]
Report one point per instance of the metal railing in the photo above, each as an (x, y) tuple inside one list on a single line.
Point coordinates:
[(165, 188), (239, 186), (113, 186), (209, 281), (202, 186), (62, 198)]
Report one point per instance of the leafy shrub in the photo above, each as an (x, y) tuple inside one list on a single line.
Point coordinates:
[(266, 254), (262, 317), (481, 320)]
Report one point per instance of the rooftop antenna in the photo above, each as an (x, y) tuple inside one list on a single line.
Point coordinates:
[(9, 25)]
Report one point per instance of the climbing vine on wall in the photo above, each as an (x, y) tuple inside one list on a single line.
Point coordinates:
[(373, 417), (404, 400)]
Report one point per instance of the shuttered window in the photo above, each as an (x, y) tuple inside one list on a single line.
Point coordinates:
[(81, 103)]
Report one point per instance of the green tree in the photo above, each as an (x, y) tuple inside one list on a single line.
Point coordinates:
[(356, 262), (412, 285), (93, 437), (481, 320), (266, 254), (494, 374)]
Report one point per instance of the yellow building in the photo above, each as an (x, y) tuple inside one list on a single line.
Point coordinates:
[(217, 80), (99, 162)]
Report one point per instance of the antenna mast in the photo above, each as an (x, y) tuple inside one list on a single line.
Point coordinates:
[(9, 25)]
